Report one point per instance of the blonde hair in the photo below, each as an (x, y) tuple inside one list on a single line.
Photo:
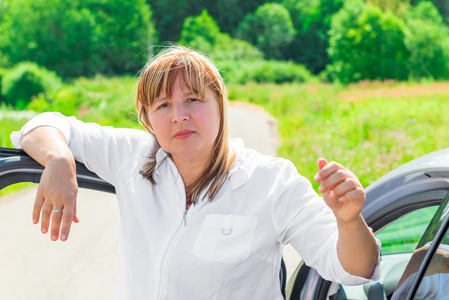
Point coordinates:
[(198, 73)]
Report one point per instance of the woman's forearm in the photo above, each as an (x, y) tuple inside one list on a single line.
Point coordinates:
[(45, 143), (356, 247)]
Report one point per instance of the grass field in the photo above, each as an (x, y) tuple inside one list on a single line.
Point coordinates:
[(370, 128)]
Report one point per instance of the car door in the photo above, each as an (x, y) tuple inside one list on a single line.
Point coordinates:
[(399, 208)]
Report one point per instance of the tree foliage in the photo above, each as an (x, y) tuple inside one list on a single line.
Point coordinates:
[(427, 40), (399, 7), (312, 19), (203, 26), (366, 43), (78, 37), (269, 28), (202, 33), (169, 15)]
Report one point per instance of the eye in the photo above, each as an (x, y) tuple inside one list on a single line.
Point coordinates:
[(163, 105), (193, 99)]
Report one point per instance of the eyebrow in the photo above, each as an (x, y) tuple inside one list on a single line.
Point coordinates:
[(160, 99)]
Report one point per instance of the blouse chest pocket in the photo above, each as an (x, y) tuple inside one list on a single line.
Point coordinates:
[(225, 238)]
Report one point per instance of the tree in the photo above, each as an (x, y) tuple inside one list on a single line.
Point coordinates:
[(269, 28), (399, 7), (366, 43), (441, 5), (202, 25), (169, 16), (312, 19), (3, 28), (427, 40), (202, 33), (229, 13), (78, 37)]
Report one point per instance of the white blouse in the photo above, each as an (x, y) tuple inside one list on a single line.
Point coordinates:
[(228, 248)]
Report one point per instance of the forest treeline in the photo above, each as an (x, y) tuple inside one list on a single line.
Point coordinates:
[(264, 41)]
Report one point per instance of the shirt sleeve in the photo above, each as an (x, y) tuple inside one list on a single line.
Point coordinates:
[(302, 219), (104, 150)]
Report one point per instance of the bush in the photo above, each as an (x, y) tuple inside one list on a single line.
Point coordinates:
[(67, 101), (428, 45), (427, 40), (366, 43), (269, 28), (26, 80), (264, 71)]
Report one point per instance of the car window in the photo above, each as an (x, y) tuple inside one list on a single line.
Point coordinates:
[(435, 282), (399, 239), (404, 234)]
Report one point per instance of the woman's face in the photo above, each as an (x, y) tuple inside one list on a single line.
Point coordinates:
[(185, 125)]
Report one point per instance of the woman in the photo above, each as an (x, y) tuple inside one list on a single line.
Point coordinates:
[(246, 206)]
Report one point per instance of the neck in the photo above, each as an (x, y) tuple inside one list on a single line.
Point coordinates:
[(190, 170)]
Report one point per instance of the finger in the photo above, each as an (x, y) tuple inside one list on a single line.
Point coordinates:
[(321, 163), (357, 194), (67, 218), (56, 218), (330, 168), (75, 216), (346, 186), (46, 214), (37, 207), (334, 179)]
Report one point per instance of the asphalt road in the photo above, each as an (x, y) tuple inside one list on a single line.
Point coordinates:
[(85, 267)]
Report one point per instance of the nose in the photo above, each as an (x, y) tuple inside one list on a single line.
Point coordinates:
[(179, 114)]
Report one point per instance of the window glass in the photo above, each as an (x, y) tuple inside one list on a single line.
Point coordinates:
[(435, 283), (404, 234), (398, 239)]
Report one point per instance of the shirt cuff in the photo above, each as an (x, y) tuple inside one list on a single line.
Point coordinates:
[(51, 119), (349, 279)]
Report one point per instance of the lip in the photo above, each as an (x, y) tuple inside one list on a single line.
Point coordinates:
[(183, 134)]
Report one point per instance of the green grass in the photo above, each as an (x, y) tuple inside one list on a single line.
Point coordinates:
[(7, 125), (371, 135)]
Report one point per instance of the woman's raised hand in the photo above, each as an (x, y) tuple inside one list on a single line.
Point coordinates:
[(56, 197), (341, 189)]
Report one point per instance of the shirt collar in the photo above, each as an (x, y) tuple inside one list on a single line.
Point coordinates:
[(161, 154), (238, 174)]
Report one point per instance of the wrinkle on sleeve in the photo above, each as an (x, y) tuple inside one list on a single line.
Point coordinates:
[(52, 119)]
